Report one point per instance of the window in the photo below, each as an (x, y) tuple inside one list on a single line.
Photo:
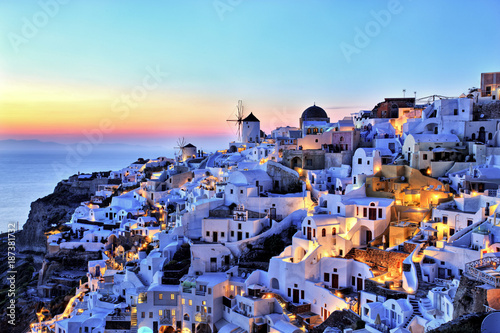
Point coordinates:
[(334, 231), (323, 232), (380, 213), (241, 191), (143, 314), (222, 234), (172, 296), (353, 280), (302, 294), (160, 313), (173, 312), (424, 157), (360, 161), (232, 233), (289, 292), (247, 235), (209, 309), (469, 222), (309, 162), (445, 219), (239, 226), (210, 291), (190, 302), (160, 296), (183, 301), (365, 212), (455, 112), (208, 233), (231, 191), (367, 162), (327, 277), (338, 209)]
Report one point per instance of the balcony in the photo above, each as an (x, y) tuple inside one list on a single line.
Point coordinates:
[(202, 318), (167, 320)]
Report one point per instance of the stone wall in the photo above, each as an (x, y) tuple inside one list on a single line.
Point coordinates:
[(392, 260)]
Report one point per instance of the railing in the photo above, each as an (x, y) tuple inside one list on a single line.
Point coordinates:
[(471, 269), (167, 320)]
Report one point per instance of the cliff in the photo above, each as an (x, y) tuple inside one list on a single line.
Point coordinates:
[(55, 208), (470, 297)]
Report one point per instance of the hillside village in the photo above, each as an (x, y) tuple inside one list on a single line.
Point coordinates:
[(386, 219)]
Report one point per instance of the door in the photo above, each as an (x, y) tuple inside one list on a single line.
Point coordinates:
[(360, 284), (309, 233), (155, 327), (335, 281), (214, 235), (213, 264), (240, 235), (372, 214), (368, 236), (295, 296)]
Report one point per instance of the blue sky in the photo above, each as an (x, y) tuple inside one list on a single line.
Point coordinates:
[(277, 56)]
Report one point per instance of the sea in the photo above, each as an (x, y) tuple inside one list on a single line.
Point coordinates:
[(29, 174)]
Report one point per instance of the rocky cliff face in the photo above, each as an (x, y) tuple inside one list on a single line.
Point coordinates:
[(55, 208), (469, 298)]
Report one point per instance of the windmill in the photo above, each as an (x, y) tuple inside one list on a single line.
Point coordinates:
[(239, 118), (181, 143)]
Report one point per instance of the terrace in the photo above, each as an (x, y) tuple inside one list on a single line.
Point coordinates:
[(486, 270)]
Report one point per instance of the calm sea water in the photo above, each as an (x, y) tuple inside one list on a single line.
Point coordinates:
[(31, 174)]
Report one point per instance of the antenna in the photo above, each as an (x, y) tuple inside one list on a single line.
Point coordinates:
[(239, 119), (415, 94)]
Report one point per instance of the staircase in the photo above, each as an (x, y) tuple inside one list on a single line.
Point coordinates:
[(292, 318), (416, 312), (133, 320)]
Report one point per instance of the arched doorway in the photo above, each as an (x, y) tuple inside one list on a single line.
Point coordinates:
[(299, 254), (296, 162), (275, 284)]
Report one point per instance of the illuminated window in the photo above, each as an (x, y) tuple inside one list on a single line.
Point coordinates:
[(190, 302), (173, 312), (160, 313), (160, 296), (183, 301), (204, 302), (232, 288), (172, 296)]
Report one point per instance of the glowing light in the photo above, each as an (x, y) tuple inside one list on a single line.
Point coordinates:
[(429, 172)]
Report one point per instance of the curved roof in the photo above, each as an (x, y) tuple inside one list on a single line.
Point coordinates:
[(314, 112), (248, 177)]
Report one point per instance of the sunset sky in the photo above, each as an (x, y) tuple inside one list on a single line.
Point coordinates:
[(67, 69)]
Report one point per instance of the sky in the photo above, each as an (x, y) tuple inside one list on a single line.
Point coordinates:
[(152, 71)]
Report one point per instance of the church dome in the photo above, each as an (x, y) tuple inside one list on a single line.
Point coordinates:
[(314, 112)]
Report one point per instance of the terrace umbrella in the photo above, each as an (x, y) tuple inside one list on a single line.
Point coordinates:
[(429, 229)]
